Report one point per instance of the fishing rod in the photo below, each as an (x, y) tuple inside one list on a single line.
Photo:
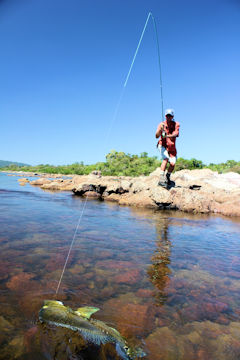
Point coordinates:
[(159, 57), (114, 118)]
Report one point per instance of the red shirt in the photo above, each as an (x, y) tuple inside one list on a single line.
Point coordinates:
[(171, 128)]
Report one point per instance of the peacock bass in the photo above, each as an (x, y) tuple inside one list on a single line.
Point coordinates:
[(56, 313)]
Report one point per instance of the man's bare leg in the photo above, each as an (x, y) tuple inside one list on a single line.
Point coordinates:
[(164, 165), (171, 168)]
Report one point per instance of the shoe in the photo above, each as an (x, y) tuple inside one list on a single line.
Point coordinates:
[(163, 184), (162, 181)]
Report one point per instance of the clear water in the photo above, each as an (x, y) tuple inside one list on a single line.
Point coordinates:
[(169, 282)]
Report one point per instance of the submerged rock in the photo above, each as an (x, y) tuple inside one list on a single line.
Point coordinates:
[(130, 277), (23, 181), (20, 282), (130, 316), (162, 344)]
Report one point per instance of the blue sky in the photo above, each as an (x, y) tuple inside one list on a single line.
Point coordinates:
[(63, 65)]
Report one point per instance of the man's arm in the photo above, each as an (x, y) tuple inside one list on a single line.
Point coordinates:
[(175, 133), (159, 130)]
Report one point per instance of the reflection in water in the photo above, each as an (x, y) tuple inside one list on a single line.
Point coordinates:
[(159, 271)]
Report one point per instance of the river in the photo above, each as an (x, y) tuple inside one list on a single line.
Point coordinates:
[(168, 281)]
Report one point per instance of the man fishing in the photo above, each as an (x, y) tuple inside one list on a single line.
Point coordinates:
[(168, 131)]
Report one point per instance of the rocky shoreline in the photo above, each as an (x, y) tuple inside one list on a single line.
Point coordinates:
[(193, 191)]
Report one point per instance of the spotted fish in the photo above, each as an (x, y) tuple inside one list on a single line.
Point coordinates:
[(55, 313)]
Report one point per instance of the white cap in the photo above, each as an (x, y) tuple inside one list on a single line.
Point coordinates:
[(169, 112)]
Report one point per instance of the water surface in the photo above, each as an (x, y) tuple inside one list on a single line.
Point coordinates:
[(169, 282)]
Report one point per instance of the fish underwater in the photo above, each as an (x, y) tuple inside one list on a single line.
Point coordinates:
[(56, 313)]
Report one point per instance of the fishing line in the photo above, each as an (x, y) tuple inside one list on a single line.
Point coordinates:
[(70, 248), (114, 118), (130, 70)]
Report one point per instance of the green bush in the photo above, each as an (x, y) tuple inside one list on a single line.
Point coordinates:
[(188, 164)]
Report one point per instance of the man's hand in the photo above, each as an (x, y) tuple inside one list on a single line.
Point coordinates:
[(171, 136)]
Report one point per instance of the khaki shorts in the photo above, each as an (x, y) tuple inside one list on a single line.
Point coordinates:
[(165, 155)]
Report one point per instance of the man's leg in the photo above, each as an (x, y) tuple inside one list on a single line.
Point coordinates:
[(170, 170), (164, 165), (165, 156), (162, 179)]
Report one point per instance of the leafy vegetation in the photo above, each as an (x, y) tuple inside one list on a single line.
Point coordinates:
[(121, 164), (4, 163), (188, 164), (230, 165)]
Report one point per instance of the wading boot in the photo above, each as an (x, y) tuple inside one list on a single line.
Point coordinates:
[(162, 181)]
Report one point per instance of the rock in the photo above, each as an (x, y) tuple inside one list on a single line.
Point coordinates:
[(4, 270), (117, 186), (140, 200), (5, 326), (40, 182), (20, 282), (29, 337), (194, 202), (194, 191), (144, 293), (228, 208), (142, 183), (114, 264), (163, 198), (162, 344), (112, 197), (23, 181), (77, 269), (128, 316), (130, 277), (97, 173), (57, 260), (87, 188), (92, 195)]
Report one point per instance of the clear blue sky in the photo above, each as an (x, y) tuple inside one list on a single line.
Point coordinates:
[(63, 64)]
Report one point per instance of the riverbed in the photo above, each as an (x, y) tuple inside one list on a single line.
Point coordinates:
[(168, 282)]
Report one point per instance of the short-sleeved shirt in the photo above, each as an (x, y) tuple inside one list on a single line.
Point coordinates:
[(171, 128)]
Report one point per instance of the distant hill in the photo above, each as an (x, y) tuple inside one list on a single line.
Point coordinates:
[(4, 163)]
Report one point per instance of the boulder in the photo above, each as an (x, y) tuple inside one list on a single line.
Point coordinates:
[(59, 184), (190, 201), (40, 182), (162, 198), (140, 200), (92, 195), (23, 181), (195, 191), (111, 197)]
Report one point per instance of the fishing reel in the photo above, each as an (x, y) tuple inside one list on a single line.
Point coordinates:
[(163, 134)]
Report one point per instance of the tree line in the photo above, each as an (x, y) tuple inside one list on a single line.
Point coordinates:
[(120, 164)]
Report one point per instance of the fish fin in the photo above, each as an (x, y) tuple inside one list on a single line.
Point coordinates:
[(121, 352), (96, 337), (86, 311), (115, 331), (52, 302)]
